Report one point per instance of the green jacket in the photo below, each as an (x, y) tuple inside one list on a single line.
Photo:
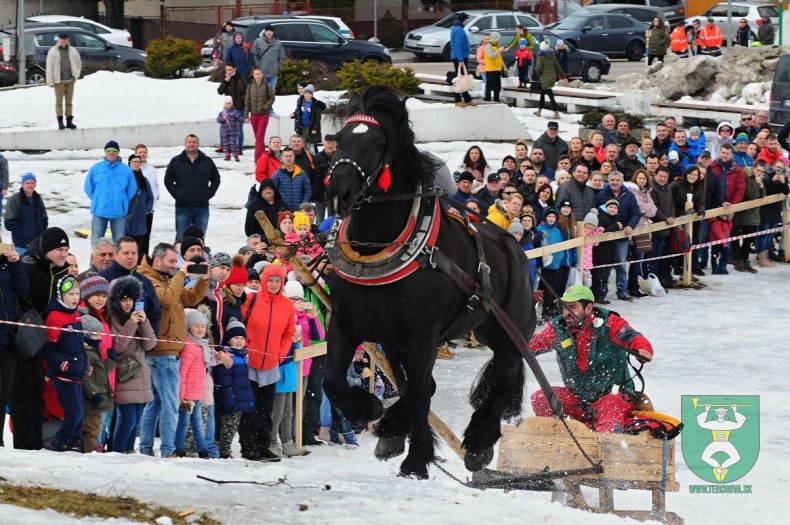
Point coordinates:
[(658, 41), (548, 68), (530, 42), (96, 381), (607, 364)]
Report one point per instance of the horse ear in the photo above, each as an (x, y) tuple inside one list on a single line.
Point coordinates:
[(355, 104)]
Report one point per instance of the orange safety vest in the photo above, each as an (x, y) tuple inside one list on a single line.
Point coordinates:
[(710, 37), (678, 42)]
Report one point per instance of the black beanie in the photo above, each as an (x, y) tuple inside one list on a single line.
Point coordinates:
[(53, 238), (194, 231), (188, 242)]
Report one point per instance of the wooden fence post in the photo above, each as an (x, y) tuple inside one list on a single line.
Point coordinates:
[(687, 257), (785, 234)]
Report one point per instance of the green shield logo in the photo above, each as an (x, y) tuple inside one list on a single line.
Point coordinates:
[(721, 435)]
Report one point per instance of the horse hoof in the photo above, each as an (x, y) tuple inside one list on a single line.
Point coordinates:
[(422, 474), (390, 447), (478, 460)]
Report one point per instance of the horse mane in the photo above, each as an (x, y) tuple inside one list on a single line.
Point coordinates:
[(389, 108)]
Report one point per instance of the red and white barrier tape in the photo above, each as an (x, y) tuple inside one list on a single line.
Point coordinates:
[(697, 246)]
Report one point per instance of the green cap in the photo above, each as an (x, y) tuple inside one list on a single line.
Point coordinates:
[(577, 292)]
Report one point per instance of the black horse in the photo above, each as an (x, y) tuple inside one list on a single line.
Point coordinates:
[(388, 288)]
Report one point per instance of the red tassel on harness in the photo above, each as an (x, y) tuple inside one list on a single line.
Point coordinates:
[(326, 180), (384, 179)]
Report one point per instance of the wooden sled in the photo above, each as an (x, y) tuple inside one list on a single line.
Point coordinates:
[(629, 462)]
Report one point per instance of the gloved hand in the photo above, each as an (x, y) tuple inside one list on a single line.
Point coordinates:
[(97, 400), (64, 366), (111, 354), (186, 406)]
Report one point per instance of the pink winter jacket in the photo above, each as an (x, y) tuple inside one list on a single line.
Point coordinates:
[(303, 321), (588, 248), (192, 372)]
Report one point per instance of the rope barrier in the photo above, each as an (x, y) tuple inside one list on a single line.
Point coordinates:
[(697, 246), (134, 337)]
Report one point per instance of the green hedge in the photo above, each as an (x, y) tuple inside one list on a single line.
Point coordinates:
[(357, 76), (169, 57)]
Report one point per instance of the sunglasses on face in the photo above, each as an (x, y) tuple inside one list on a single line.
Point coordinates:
[(508, 192)]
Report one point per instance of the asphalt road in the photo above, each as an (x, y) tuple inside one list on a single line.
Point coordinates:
[(620, 66)]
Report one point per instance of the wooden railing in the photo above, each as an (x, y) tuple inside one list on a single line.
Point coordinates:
[(684, 220)]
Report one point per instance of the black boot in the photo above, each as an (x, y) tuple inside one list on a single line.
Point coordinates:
[(60, 123), (70, 123)]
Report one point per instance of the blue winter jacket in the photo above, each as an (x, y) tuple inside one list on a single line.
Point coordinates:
[(110, 187), (232, 385), (14, 287), (552, 235), (459, 42), (141, 205), (64, 345), (294, 187), (25, 217), (152, 308), (696, 147), (628, 212), (288, 370), (742, 159), (240, 56), (686, 159)]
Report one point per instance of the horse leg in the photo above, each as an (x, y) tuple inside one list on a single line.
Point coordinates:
[(496, 396), (417, 400), (356, 403), (393, 428)]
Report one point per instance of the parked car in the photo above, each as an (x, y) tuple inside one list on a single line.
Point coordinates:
[(753, 13), (93, 50), (434, 40), (674, 10), (612, 35), (308, 38), (120, 37), (644, 14), (564, 7), (334, 22), (587, 65), (779, 101)]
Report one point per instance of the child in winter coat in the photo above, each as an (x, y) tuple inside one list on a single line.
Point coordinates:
[(133, 375), (94, 291), (64, 355), (720, 228), (552, 264), (95, 384), (232, 391), (529, 240), (228, 120), (591, 228), (524, 62), (192, 370), (696, 142), (604, 252), (303, 237)]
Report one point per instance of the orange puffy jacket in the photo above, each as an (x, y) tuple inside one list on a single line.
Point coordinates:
[(270, 325), (678, 42)]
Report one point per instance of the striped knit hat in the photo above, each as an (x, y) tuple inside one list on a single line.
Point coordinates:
[(94, 285)]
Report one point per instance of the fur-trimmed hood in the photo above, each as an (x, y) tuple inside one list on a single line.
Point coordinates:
[(126, 286)]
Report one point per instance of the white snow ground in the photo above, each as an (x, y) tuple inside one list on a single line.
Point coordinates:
[(727, 339)]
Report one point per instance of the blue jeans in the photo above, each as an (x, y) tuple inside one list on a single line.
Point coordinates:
[(326, 412), (70, 399), (211, 433), (99, 226), (763, 241), (658, 249), (272, 81), (127, 425), (189, 215), (621, 274), (165, 382), (194, 418), (634, 271)]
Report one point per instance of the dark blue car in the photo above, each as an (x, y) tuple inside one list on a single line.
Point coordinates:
[(612, 35)]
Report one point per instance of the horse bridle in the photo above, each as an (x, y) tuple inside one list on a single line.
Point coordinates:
[(367, 179)]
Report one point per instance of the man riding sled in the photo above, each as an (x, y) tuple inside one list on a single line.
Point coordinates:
[(592, 346)]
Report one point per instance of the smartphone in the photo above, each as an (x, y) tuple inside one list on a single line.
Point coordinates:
[(199, 269), (140, 305)]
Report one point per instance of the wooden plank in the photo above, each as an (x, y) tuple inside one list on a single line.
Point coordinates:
[(649, 228), (310, 351)]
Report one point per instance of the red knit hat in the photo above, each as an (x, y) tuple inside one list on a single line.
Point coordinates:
[(282, 215), (238, 272)]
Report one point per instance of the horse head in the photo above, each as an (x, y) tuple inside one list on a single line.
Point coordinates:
[(376, 134)]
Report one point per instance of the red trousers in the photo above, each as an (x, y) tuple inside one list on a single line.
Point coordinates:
[(607, 414), (259, 124)]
